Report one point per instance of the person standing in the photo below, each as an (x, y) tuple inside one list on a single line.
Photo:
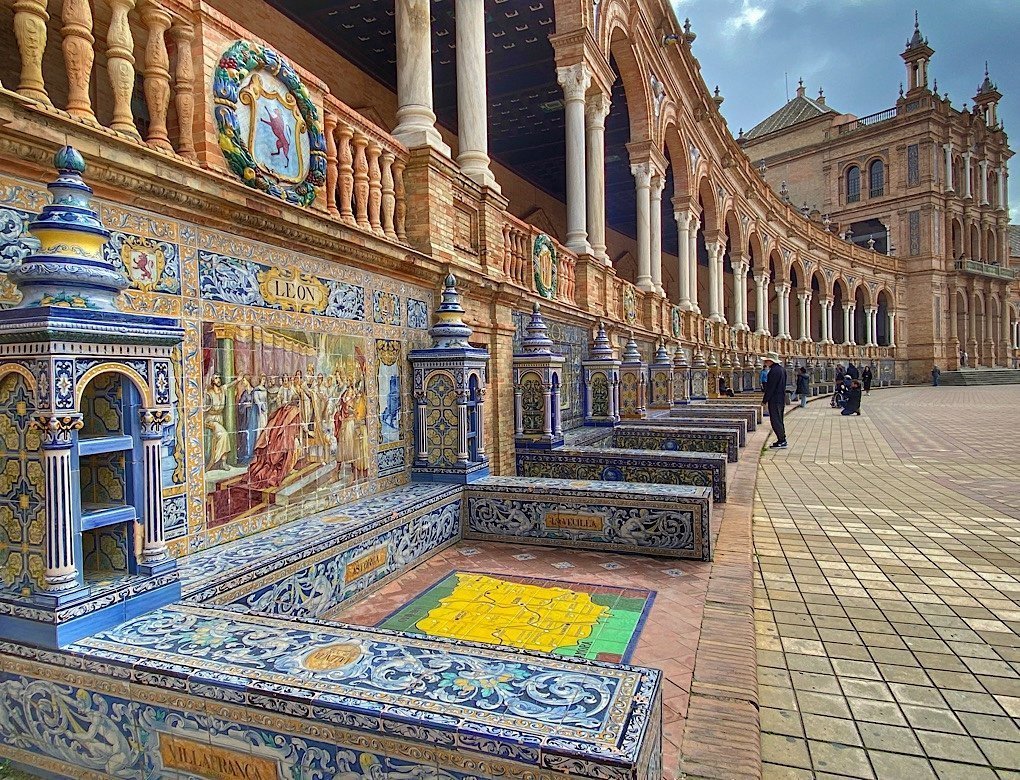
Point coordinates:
[(853, 371), (802, 386), (866, 379), (935, 374), (774, 398)]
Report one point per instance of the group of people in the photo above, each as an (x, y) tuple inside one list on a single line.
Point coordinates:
[(847, 397)]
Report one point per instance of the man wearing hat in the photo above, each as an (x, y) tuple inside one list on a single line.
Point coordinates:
[(774, 398)]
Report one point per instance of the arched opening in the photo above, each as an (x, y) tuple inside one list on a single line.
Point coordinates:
[(860, 316), (839, 299), (975, 243), (956, 238), (796, 280), (882, 334), (815, 312), (474, 444), (962, 322), (775, 263), (876, 179), (853, 184), (732, 245), (755, 258)]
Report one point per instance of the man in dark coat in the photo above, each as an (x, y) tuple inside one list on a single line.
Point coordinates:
[(853, 401), (853, 371), (867, 377), (774, 397)]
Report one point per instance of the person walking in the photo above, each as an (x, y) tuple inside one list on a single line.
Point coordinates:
[(866, 378), (774, 398), (935, 374), (853, 402), (802, 386)]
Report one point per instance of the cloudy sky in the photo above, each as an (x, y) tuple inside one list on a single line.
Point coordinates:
[(851, 48)]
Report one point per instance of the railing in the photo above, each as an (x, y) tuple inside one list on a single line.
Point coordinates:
[(866, 121), (364, 173), (145, 118), (985, 269), (518, 259)]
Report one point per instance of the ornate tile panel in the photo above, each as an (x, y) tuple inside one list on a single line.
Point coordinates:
[(678, 439), (572, 342)]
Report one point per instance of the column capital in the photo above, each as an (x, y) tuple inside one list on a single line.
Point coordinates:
[(782, 288), (804, 295), (152, 422), (575, 80), (762, 278), (642, 173), (57, 430), (658, 184), (849, 306), (596, 109), (870, 309)]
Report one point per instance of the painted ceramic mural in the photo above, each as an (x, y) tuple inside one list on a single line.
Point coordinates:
[(285, 414)]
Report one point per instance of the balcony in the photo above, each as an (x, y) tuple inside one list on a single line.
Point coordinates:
[(985, 269)]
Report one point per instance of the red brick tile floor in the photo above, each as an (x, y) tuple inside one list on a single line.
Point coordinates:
[(699, 630)]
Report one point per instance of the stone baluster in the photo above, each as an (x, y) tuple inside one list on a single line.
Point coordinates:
[(184, 88), (78, 57), (329, 125), (30, 19), (157, 75), (361, 181), (507, 252), (374, 187), (57, 440), (389, 200), (120, 64), (345, 170), (400, 196)]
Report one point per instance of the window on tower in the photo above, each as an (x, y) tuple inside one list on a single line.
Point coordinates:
[(876, 179), (853, 184)]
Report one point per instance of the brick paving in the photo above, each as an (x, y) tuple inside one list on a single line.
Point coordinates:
[(887, 603)]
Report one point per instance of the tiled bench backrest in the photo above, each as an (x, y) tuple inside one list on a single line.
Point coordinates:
[(677, 438), (729, 423), (667, 520), (700, 469), (750, 416)]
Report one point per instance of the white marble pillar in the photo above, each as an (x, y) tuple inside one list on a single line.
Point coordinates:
[(869, 325), (804, 308), (655, 231), (715, 250), (967, 190), (683, 257), (892, 328), (558, 416), (462, 426), (948, 150), (827, 304), (57, 438), (983, 173), (480, 429), (848, 321), (739, 293), (518, 411), (761, 285), (547, 416), (421, 429), (596, 109), (692, 258), (472, 115), (642, 173), (783, 309), (416, 119), (575, 80)]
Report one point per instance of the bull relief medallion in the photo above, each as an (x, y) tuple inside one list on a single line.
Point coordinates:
[(268, 127)]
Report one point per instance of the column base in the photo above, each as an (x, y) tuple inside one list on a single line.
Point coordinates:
[(479, 173), (685, 306), (644, 284), (151, 569), (578, 245), (716, 318), (414, 136)]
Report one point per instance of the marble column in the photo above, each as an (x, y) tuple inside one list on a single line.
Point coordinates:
[(154, 547), (761, 284), (967, 190), (518, 411), (827, 304), (683, 253), (462, 428), (480, 423), (869, 325), (848, 321), (948, 150), (739, 293), (416, 120), (983, 173), (804, 308), (655, 231), (642, 173), (596, 109), (472, 119), (783, 309), (891, 324), (575, 80), (30, 19), (715, 250), (692, 257), (57, 438)]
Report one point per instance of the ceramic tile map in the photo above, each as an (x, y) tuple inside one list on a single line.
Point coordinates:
[(571, 619)]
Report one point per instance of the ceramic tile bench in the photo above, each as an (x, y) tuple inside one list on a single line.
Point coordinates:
[(723, 412), (700, 469), (716, 421), (748, 401), (678, 438), (666, 520), (198, 690)]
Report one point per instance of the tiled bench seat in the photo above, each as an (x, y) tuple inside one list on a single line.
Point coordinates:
[(747, 401), (199, 690), (679, 438), (750, 416), (307, 567), (700, 469), (716, 421), (667, 520)]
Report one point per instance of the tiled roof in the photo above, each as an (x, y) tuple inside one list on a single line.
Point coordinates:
[(798, 110), (1014, 240)]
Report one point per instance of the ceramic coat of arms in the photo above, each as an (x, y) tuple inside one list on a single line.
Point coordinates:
[(544, 261), (268, 127)]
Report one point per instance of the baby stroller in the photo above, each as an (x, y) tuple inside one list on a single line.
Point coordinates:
[(840, 397)]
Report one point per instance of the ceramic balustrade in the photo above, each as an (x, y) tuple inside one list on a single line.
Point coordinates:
[(523, 246)]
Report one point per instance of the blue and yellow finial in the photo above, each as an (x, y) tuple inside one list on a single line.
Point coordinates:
[(450, 331)]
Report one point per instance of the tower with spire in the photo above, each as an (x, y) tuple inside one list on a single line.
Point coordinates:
[(538, 377), (633, 383), (917, 57), (986, 101)]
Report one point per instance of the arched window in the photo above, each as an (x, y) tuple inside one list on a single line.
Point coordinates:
[(853, 184), (876, 179)]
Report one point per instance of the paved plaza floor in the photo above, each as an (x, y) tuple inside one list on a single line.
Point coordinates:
[(887, 601)]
